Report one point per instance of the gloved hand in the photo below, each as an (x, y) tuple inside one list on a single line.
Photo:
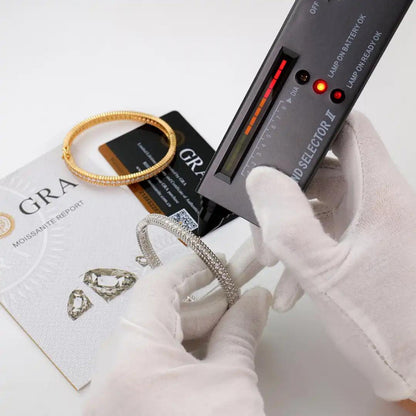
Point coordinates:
[(358, 264), (151, 373)]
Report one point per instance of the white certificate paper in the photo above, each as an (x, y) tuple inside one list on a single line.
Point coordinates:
[(53, 229)]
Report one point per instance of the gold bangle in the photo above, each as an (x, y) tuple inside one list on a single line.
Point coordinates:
[(122, 179)]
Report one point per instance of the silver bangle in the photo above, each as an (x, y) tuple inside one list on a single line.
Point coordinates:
[(150, 258)]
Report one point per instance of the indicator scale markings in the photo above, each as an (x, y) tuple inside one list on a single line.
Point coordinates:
[(251, 163)]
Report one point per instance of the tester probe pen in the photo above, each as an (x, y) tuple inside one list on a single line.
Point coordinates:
[(212, 216)]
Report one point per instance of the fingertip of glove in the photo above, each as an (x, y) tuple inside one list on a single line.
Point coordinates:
[(222, 257), (260, 295), (264, 180), (283, 305), (259, 177), (284, 302), (255, 306), (360, 126), (263, 255), (357, 118)]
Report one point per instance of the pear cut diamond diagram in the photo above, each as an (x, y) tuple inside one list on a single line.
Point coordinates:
[(78, 303), (109, 283)]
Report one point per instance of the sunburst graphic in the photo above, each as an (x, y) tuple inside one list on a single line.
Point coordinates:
[(28, 258), (6, 224)]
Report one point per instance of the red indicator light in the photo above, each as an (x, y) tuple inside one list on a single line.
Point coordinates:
[(337, 96), (320, 86)]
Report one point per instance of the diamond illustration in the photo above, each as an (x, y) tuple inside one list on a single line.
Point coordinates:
[(109, 283), (78, 303)]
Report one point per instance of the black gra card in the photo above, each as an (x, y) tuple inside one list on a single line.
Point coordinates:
[(172, 191)]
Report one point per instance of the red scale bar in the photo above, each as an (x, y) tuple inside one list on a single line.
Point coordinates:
[(282, 65), (266, 95), (277, 76)]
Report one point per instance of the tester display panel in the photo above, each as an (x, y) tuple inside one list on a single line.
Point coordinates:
[(306, 87)]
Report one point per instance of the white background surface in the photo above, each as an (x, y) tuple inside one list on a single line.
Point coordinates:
[(64, 61)]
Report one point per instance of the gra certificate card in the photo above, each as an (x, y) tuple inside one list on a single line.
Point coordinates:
[(172, 191), (67, 260)]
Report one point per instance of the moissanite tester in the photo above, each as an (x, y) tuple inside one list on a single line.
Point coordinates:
[(306, 87)]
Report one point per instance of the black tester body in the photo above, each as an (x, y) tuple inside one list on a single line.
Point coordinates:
[(301, 96)]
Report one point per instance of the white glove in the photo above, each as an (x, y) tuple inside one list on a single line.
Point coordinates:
[(151, 373), (361, 272)]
